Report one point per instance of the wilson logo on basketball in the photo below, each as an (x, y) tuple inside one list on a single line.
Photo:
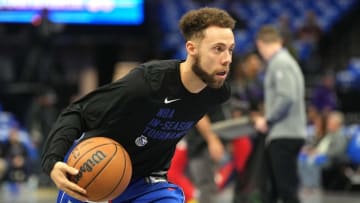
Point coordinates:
[(88, 166)]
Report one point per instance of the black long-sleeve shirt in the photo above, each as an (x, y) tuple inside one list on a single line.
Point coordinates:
[(148, 112)]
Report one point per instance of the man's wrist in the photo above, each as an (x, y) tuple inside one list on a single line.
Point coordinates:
[(49, 165), (211, 137)]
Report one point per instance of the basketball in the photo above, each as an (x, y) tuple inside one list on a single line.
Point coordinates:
[(104, 168)]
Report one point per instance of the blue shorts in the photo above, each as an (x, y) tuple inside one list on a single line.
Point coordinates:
[(140, 190)]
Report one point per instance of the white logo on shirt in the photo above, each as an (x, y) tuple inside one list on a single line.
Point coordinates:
[(167, 101), (141, 141)]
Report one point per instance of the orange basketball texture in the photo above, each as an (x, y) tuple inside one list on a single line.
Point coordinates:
[(104, 168)]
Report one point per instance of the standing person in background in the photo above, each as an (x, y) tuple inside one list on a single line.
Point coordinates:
[(285, 117), (205, 160), (247, 101), (178, 172)]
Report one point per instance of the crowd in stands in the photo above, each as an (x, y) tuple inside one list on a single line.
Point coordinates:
[(17, 151)]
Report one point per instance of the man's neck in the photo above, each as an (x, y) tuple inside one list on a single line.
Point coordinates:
[(189, 79)]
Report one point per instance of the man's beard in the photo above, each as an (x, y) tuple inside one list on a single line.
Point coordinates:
[(208, 79)]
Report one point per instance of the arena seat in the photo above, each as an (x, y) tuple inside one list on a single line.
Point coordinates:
[(255, 13)]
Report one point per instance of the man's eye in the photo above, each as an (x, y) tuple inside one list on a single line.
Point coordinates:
[(218, 49)]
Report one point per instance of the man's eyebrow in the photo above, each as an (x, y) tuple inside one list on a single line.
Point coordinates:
[(220, 43)]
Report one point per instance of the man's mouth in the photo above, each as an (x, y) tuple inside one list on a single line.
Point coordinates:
[(221, 74)]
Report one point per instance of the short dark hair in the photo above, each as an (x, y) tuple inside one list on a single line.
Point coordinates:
[(194, 22), (268, 34)]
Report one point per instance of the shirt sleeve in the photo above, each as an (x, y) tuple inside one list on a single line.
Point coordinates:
[(284, 88), (89, 113), (65, 131)]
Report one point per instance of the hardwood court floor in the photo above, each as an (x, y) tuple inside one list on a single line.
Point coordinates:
[(28, 194), (317, 197)]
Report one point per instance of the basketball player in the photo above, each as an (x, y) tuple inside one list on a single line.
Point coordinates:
[(149, 110), (284, 119)]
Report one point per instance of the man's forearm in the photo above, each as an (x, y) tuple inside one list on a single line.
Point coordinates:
[(204, 128)]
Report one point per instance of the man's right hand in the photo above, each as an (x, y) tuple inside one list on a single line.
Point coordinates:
[(59, 175), (260, 124)]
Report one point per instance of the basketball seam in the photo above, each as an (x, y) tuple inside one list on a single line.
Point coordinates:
[(101, 168), (123, 173), (87, 152)]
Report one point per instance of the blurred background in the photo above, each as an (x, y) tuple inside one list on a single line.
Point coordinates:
[(53, 52)]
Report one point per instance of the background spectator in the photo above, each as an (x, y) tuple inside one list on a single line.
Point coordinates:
[(325, 151), (246, 101), (16, 156), (324, 98)]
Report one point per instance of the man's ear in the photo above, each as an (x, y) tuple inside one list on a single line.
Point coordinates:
[(191, 48)]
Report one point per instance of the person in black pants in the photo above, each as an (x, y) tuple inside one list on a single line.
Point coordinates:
[(285, 118)]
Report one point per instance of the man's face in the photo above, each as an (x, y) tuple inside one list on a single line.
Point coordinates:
[(333, 124), (212, 61), (261, 48)]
